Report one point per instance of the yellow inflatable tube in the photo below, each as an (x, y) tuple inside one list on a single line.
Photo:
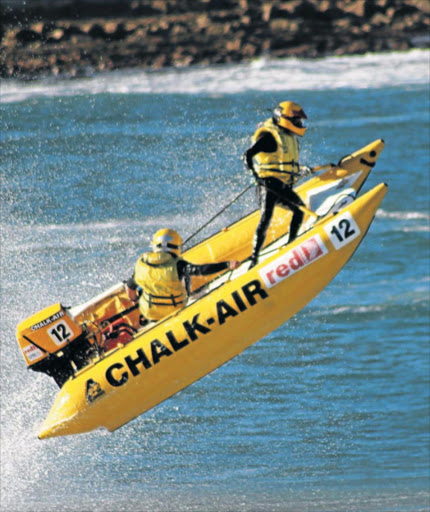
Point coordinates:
[(188, 345)]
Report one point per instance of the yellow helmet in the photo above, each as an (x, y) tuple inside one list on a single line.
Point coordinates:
[(289, 115), (167, 240)]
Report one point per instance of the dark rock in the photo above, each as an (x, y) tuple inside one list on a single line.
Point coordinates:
[(26, 36), (79, 36), (97, 31)]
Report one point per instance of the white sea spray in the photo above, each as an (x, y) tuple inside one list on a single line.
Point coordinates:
[(373, 70)]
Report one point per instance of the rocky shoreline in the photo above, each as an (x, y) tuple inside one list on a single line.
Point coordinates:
[(72, 38)]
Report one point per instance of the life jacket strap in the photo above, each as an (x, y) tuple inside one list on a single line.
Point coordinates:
[(169, 300), (268, 167)]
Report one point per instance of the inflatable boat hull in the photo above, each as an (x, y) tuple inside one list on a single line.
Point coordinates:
[(236, 313)]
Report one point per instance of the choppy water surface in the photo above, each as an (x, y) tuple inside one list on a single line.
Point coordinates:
[(329, 412)]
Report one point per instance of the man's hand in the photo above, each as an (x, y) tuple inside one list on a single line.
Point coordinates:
[(233, 264), (247, 161), (305, 171), (133, 295)]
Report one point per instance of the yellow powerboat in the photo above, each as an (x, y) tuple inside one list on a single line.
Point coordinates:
[(111, 368)]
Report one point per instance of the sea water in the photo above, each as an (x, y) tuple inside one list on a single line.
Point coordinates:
[(330, 412)]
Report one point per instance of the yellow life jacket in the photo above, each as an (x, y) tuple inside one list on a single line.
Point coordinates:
[(162, 291), (282, 163)]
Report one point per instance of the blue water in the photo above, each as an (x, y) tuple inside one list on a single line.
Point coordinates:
[(328, 413)]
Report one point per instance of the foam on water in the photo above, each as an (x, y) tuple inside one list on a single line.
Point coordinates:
[(263, 74), (402, 215)]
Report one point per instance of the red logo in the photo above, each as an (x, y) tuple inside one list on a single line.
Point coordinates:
[(291, 262)]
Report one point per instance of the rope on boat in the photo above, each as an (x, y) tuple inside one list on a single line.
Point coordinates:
[(218, 214)]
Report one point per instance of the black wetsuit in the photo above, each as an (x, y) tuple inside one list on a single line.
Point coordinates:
[(272, 191)]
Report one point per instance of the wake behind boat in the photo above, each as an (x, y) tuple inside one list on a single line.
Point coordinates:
[(111, 367)]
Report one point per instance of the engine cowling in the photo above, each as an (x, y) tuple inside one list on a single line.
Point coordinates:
[(52, 342)]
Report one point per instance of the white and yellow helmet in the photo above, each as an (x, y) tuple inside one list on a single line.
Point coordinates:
[(289, 115), (167, 240)]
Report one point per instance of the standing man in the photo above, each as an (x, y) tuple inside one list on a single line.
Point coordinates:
[(273, 159)]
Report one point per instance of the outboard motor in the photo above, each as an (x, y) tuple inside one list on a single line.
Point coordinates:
[(53, 342)]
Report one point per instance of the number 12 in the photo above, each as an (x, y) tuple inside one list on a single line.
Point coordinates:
[(60, 332), (348, 231), (342, 230)]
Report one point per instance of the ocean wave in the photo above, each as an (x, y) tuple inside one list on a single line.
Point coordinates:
[(263, 74), (402, 215), (374, 308), (416, 229), (407, 222), (417, 299)]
